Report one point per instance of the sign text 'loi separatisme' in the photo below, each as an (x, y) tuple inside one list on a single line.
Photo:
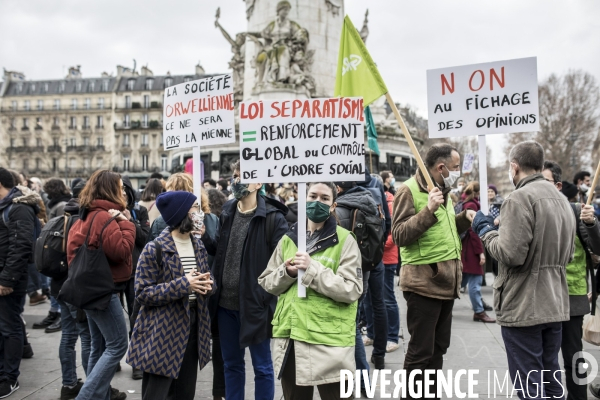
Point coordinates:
[(302, 140), (199, 113)]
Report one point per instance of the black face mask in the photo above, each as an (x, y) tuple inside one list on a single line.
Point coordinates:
[(240, 190)]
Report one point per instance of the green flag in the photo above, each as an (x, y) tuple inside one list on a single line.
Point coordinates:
[(371, 131), (357, 75)]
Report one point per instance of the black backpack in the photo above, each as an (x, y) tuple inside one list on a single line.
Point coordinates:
[(51, 247), (359, 213)]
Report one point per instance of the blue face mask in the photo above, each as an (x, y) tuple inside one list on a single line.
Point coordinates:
[(393, 182)]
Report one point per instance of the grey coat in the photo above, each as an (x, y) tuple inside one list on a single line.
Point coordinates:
[(533, 245)]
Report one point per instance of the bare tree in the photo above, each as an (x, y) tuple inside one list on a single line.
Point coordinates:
[(569, 118)]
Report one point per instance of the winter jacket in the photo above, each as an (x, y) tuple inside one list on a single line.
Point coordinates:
[(256, 305), (440, 280), (139, 217), (292, 215), (56, 207), (162, 328), (471, 245), (533, 245), (317, 364), (71, 208), (390, 251), (17, 238), (117, 240)]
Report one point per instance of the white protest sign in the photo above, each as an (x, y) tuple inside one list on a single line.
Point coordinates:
[(468, 163), (199, 113), (482, 99), (302, 140)]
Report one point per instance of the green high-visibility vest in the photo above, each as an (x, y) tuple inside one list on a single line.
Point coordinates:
[(576, 271), (440, 242), (315, 319)]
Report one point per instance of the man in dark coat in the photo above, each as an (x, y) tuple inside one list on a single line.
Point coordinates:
[(251, 226), (18, 227)]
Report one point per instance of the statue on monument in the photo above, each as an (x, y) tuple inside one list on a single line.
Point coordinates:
[(282, 59), (237, 61)]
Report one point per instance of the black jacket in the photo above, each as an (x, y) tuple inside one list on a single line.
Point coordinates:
[(71, 208), (386, 210), (139, 215), (292, 215), (256, 305), (17, 238)]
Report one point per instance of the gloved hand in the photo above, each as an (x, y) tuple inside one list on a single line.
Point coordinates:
[(482, 224)]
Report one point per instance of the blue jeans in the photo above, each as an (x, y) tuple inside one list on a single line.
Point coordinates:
[(233, 359), (474, 283), (11, 335), (360, 355), (375, 311), (534, 348), (106, 326), (71, 330), (391, 305)]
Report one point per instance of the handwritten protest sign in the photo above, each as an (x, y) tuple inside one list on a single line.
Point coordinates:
[(302, 140), (199, 113), (481, 99), (468, 163)]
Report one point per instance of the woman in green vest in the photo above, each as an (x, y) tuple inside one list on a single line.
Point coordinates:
[(314, 336)]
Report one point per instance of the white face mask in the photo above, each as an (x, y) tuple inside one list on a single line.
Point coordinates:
[(597, 201), (452, 177), (291, 198), (584, 188), (460, 188)]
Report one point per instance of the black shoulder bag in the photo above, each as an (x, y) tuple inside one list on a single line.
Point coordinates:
[(90, 284)]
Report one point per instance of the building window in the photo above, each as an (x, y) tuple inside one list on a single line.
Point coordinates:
[(38, 123), (74, 104), (127, 101), (163, 162), (61, 87), (45, 88), (27, 105), (38, 164), (168, 82), (86, 122), (25, 123), (25, 142), (144, 120), (88, 103), (86, 163), (57, 104), (98, 162), (86, 141), (73, 123), (54, 164), (12, 143), (55, 121), (100, 122), (32, 88), (101, 103), (126, 140), (144, 162), (126, 121), (11, 122), (25, 164), (130, 84), (149, 84), (14, 106), (105, 85), (144, 140), (126, 163), (19, 87), (78, 87), (72, 163), (55, 142), (100, 141), (146, 101), (187, 79), (38, 142), (91, 86), (72, 142), (40, 105)]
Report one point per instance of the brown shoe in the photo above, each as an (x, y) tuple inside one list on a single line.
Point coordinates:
[(36, 299), (483, 317)]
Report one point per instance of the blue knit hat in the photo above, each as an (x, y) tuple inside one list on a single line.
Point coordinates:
[(174, 206)]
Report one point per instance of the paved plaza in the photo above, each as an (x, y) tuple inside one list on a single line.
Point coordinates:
[(474, 346)]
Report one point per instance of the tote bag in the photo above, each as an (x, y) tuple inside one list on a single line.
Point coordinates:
[(90, 283)]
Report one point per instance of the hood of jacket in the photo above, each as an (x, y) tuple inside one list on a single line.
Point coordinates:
[(328, 234), (358, 197), (22, 195), (99, 205), (130, 191), (72, 206), (52, 201)]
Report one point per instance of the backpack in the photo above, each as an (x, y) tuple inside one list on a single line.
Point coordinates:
[(381, 202), (51, 247), (37, 226), (359, 213)]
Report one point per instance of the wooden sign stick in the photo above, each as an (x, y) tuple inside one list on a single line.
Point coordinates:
[(413, 148), (594, 183)]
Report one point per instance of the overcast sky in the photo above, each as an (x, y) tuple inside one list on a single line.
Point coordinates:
[(43, 38)]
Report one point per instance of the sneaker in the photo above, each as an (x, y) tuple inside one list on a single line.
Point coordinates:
[(51, 318), (55, 327), (67, 393), (8, 387), (391, 346), (136, 374), (116, 395), (36, 299), (27, 351), (378, 362), (595, 389)]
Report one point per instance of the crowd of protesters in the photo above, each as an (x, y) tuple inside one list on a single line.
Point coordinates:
[(205, 278)]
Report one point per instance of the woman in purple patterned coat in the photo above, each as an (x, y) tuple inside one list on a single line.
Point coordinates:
[(171, 336)]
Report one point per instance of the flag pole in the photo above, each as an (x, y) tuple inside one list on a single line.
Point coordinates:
[(371, 160), (593, 188), (411, 143)]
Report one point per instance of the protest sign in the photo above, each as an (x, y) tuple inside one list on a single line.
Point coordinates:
[(314, 140), (481, 99), (468, 163), (302, 140), (199, 113)]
